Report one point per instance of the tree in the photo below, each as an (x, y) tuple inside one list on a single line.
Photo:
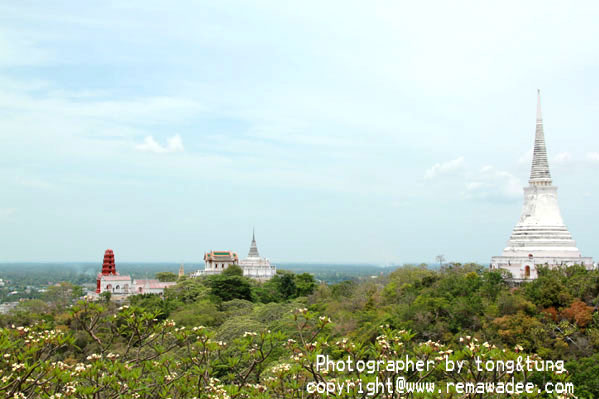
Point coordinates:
[(226, 288), (343, 289), (178, 345), (440, 259), (493, 283), (188, 291), (202, 313), (105, 296), (579, 312), (166, 276), (305, 284), (287, 286), (585, 376), (62, 294), (548, 289), (267, 292), (233, 270)]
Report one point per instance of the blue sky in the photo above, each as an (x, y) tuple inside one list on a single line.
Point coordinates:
[(343, 131)]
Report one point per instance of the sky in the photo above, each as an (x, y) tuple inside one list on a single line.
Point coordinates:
[(367, 132)]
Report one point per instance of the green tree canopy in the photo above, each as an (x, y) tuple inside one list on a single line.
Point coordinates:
[(166, 276), (233, 270), (228, 287)]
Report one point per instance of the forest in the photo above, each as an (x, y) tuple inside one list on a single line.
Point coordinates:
[(226, 336)]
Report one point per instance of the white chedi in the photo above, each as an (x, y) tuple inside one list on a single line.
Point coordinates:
[(255, 266), (540, 237)]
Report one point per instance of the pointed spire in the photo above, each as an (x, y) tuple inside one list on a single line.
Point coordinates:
[(539, 173), (539, 115), (253, 247)]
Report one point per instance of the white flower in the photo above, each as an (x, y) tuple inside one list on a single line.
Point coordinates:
[(93, 356), (518, 348), (169, 323), (18, 366), (70, 389)]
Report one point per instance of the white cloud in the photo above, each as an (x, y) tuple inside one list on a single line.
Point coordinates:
[(593, 156), (563, 157), (173, 144), (490, 183), (444, 168)]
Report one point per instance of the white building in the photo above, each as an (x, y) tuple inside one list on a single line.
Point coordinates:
[(7, 307), (540, 237), (215, 262), (109, 280), (151, 286), (116, 284), (124, 285), (253, 266), (256, 267)]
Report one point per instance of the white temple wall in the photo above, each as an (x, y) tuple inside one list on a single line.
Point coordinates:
[(116, 286)]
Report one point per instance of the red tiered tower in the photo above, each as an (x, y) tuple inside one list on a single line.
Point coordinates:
[(108, 268)]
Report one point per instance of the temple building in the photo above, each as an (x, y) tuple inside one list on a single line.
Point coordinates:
[(540, 237), (253, 266), (109, 280), (151, 286), (256, 267), (217, 261)]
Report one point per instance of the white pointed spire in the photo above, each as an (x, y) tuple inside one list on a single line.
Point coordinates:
[(539, 172), (253, 247), (539, 115)]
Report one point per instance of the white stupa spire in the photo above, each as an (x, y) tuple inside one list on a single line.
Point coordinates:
[(255, 266), (253, 247), (539, 172)]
